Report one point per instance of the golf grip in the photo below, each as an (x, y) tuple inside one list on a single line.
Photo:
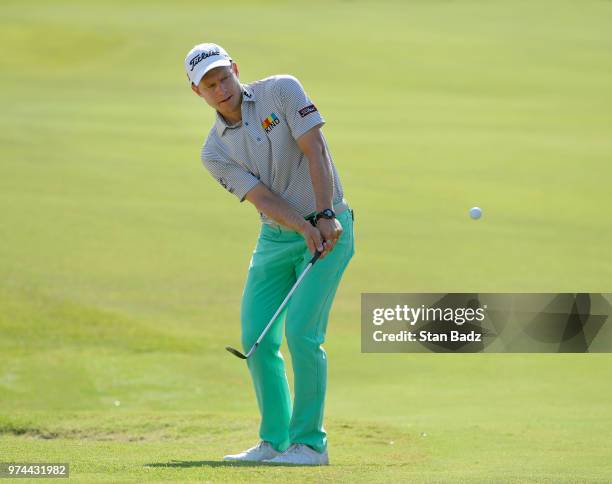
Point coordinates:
[(297, 283), (315, 257)]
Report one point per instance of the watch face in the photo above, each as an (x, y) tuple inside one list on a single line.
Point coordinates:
[(327, 213)]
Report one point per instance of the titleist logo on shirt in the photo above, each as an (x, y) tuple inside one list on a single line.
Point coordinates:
[(307, 110), (200, 57)]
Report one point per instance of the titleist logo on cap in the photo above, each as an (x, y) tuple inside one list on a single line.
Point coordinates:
[(201, 56)]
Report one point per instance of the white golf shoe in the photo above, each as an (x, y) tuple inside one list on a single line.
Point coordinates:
[(260, 452), (301, 454)]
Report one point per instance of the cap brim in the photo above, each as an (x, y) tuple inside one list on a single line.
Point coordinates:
[(200, 73)]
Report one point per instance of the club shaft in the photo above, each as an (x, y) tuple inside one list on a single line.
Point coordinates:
[(282, 306)]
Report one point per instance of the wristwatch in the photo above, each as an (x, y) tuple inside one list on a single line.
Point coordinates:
[(328, 213)]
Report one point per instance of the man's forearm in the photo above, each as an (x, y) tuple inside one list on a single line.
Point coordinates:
[(313, 146), (279, 210), (322, 180)]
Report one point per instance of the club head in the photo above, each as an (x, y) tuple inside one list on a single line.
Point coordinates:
[(235, 352)]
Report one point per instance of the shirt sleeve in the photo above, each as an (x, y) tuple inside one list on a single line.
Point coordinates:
[(299, 110), (233, 177)]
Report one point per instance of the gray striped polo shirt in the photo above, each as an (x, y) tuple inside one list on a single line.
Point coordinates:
[(262, 147)]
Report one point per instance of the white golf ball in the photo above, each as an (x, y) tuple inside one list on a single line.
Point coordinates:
[(475, 213)]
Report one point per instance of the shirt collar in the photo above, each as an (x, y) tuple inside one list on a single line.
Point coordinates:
[(248, 95)]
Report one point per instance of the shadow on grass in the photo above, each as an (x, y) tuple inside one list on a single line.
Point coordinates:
[(207, 463)]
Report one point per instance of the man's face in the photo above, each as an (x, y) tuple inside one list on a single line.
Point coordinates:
[(221, 89)]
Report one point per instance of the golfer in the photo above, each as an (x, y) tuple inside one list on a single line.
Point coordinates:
[(266, 147)]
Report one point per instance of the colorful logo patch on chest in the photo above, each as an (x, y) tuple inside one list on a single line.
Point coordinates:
[(269, 123)]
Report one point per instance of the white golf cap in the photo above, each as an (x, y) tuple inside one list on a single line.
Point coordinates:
[(204, 57)]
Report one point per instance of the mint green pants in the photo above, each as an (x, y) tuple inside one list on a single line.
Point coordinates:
[(279, 258)]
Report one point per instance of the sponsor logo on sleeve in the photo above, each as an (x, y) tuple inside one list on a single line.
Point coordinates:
[(269, 123), (307, 110)]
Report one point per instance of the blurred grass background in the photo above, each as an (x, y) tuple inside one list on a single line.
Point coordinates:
[(122, 260)]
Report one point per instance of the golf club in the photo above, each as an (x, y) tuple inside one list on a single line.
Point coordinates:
[(237, 353)]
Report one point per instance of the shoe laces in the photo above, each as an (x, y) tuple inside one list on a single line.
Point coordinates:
[(258, 446), (295, 448)]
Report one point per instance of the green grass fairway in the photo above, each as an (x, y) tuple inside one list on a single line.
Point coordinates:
[(122, 261)]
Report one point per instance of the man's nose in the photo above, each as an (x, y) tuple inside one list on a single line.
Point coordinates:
[(221, 92)]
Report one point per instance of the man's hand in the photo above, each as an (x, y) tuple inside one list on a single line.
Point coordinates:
[(330, 230), (313, 238)]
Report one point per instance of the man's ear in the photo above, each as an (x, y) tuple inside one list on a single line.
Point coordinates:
[(195, 89), (235, 69)]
